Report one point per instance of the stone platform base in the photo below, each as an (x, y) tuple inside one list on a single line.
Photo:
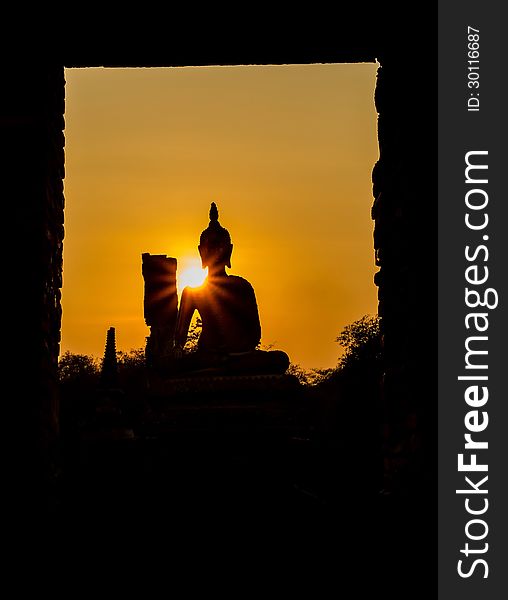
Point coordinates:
[(214, 384), (222, 403)]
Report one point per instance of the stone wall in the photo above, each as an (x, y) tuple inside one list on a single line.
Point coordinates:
[(32, 142), (405, 246), (404, 184)]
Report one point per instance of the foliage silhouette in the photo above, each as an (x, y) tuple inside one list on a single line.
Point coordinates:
[(193, 334), (78, 370), (309, 377), (362, 343)]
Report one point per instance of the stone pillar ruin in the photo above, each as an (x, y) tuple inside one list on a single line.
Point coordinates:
[(160, 305)]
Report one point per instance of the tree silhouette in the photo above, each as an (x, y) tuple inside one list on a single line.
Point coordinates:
[(309, 377), (361, 341), (131, 369), (78, 369), (348, 406), (191, 344)]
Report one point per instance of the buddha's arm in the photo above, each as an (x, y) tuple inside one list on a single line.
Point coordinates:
[(253, 320), (256, 330), (185, 312)]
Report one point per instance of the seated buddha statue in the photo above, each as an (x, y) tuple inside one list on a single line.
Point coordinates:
[(227, 306)]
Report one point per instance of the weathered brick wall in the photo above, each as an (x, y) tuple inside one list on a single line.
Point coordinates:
[(32, 144), (404, 211)]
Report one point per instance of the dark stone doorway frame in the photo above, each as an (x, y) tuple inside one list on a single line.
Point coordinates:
[(33, 158)]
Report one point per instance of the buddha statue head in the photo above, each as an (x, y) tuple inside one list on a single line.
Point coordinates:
[(215, 245)]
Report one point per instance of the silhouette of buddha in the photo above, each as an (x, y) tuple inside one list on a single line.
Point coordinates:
[(229, 314)]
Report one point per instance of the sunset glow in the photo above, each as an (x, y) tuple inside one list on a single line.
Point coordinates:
[(287, 154), (190, 274)]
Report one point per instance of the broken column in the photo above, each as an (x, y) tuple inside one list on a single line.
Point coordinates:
[(160, 305)]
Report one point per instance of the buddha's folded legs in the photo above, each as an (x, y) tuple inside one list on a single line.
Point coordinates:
[(258, 362)]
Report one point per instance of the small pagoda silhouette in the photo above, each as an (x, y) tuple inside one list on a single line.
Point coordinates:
[(109, 370)]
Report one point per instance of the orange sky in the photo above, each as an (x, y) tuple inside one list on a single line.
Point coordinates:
[(285, 152)]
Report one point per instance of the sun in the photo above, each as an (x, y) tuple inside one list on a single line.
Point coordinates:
[(190, 273)]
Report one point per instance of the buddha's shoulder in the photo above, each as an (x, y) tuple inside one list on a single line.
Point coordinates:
[(239, 282)]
